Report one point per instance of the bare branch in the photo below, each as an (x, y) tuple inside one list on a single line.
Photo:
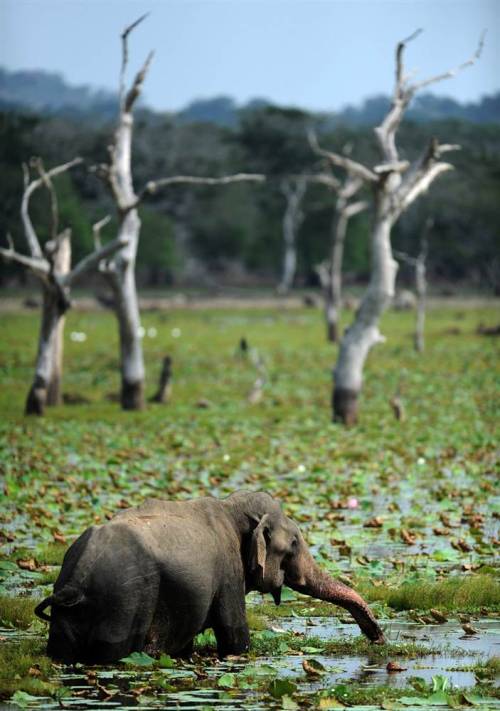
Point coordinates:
[(354, 208), (123, 68), (452, 72), (29, 189), (400, 79), (447, 147), (54, 208), (37, 265), (350, 166), (322, 269), (96, 230), (325, 179), (350, 187), (153, 185), (57, 170), (396, 167), (422, 184), (135, 89), (29, 230), (294, 187), (419, 170), (92, 260), (403, 257), (403, 93)]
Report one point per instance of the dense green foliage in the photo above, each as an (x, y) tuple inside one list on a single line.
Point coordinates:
[(404, 510), (231, 234)]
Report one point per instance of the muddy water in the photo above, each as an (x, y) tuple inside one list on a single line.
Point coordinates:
[(457, 652)]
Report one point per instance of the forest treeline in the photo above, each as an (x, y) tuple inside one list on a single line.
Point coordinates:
[(233, 234)]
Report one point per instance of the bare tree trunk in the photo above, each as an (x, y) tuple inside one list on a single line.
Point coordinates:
[(293, 190), (62, 266), (364, 333), (121, 277), (418, 264), (50, 332), (333, 292), (421, 289), (46, 386), (331, 273)]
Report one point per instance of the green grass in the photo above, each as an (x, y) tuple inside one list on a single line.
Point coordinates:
[(269, 644), (456, 594), (51, 553), (489, 669), (354, 695), (17, 611), (24, 667)]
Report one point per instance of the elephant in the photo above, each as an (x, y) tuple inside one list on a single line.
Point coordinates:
[(153, 577)]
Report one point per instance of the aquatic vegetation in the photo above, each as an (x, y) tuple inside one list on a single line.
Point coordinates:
[(403, 511)]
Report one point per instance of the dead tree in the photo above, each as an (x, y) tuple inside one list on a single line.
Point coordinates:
[(395, 185), (418, 264), (120, 270), (52, 267), (330, 271), (294, 189)]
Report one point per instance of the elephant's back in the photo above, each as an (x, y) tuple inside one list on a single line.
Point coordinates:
[(110, 564)]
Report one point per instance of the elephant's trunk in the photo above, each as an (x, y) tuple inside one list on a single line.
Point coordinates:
[(320, 585)]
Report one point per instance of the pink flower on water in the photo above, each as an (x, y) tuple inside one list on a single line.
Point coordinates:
[(352, 503)]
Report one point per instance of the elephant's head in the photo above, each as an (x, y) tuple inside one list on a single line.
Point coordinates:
[(273, 546), (277, 554)]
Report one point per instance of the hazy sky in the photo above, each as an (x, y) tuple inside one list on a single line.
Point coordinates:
[(316, 54)]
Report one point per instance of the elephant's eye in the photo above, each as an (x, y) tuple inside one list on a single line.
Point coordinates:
[(295, 543)]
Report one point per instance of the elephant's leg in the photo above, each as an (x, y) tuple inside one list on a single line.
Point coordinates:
[(229, 622), (186, 651)]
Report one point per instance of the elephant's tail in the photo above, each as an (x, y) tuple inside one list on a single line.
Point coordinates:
[(66, 597)]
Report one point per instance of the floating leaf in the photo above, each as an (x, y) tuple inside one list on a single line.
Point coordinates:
[(412, 701), (166, 662), (227, 681), (23, 699), (138, 659), (330, 702), (281, 687)]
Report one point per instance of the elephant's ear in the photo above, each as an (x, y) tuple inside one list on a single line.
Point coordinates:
[(258, 550)]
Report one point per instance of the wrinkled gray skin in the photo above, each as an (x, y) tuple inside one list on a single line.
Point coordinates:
[(155, 576)]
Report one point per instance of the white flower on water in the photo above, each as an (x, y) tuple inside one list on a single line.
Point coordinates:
[(301, 469), (420, 461), (78, 336), (226, 457), (152, 332), (176, 332)]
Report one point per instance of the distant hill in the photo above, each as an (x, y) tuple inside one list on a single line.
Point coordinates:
[(46, 92), (425, 107)]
